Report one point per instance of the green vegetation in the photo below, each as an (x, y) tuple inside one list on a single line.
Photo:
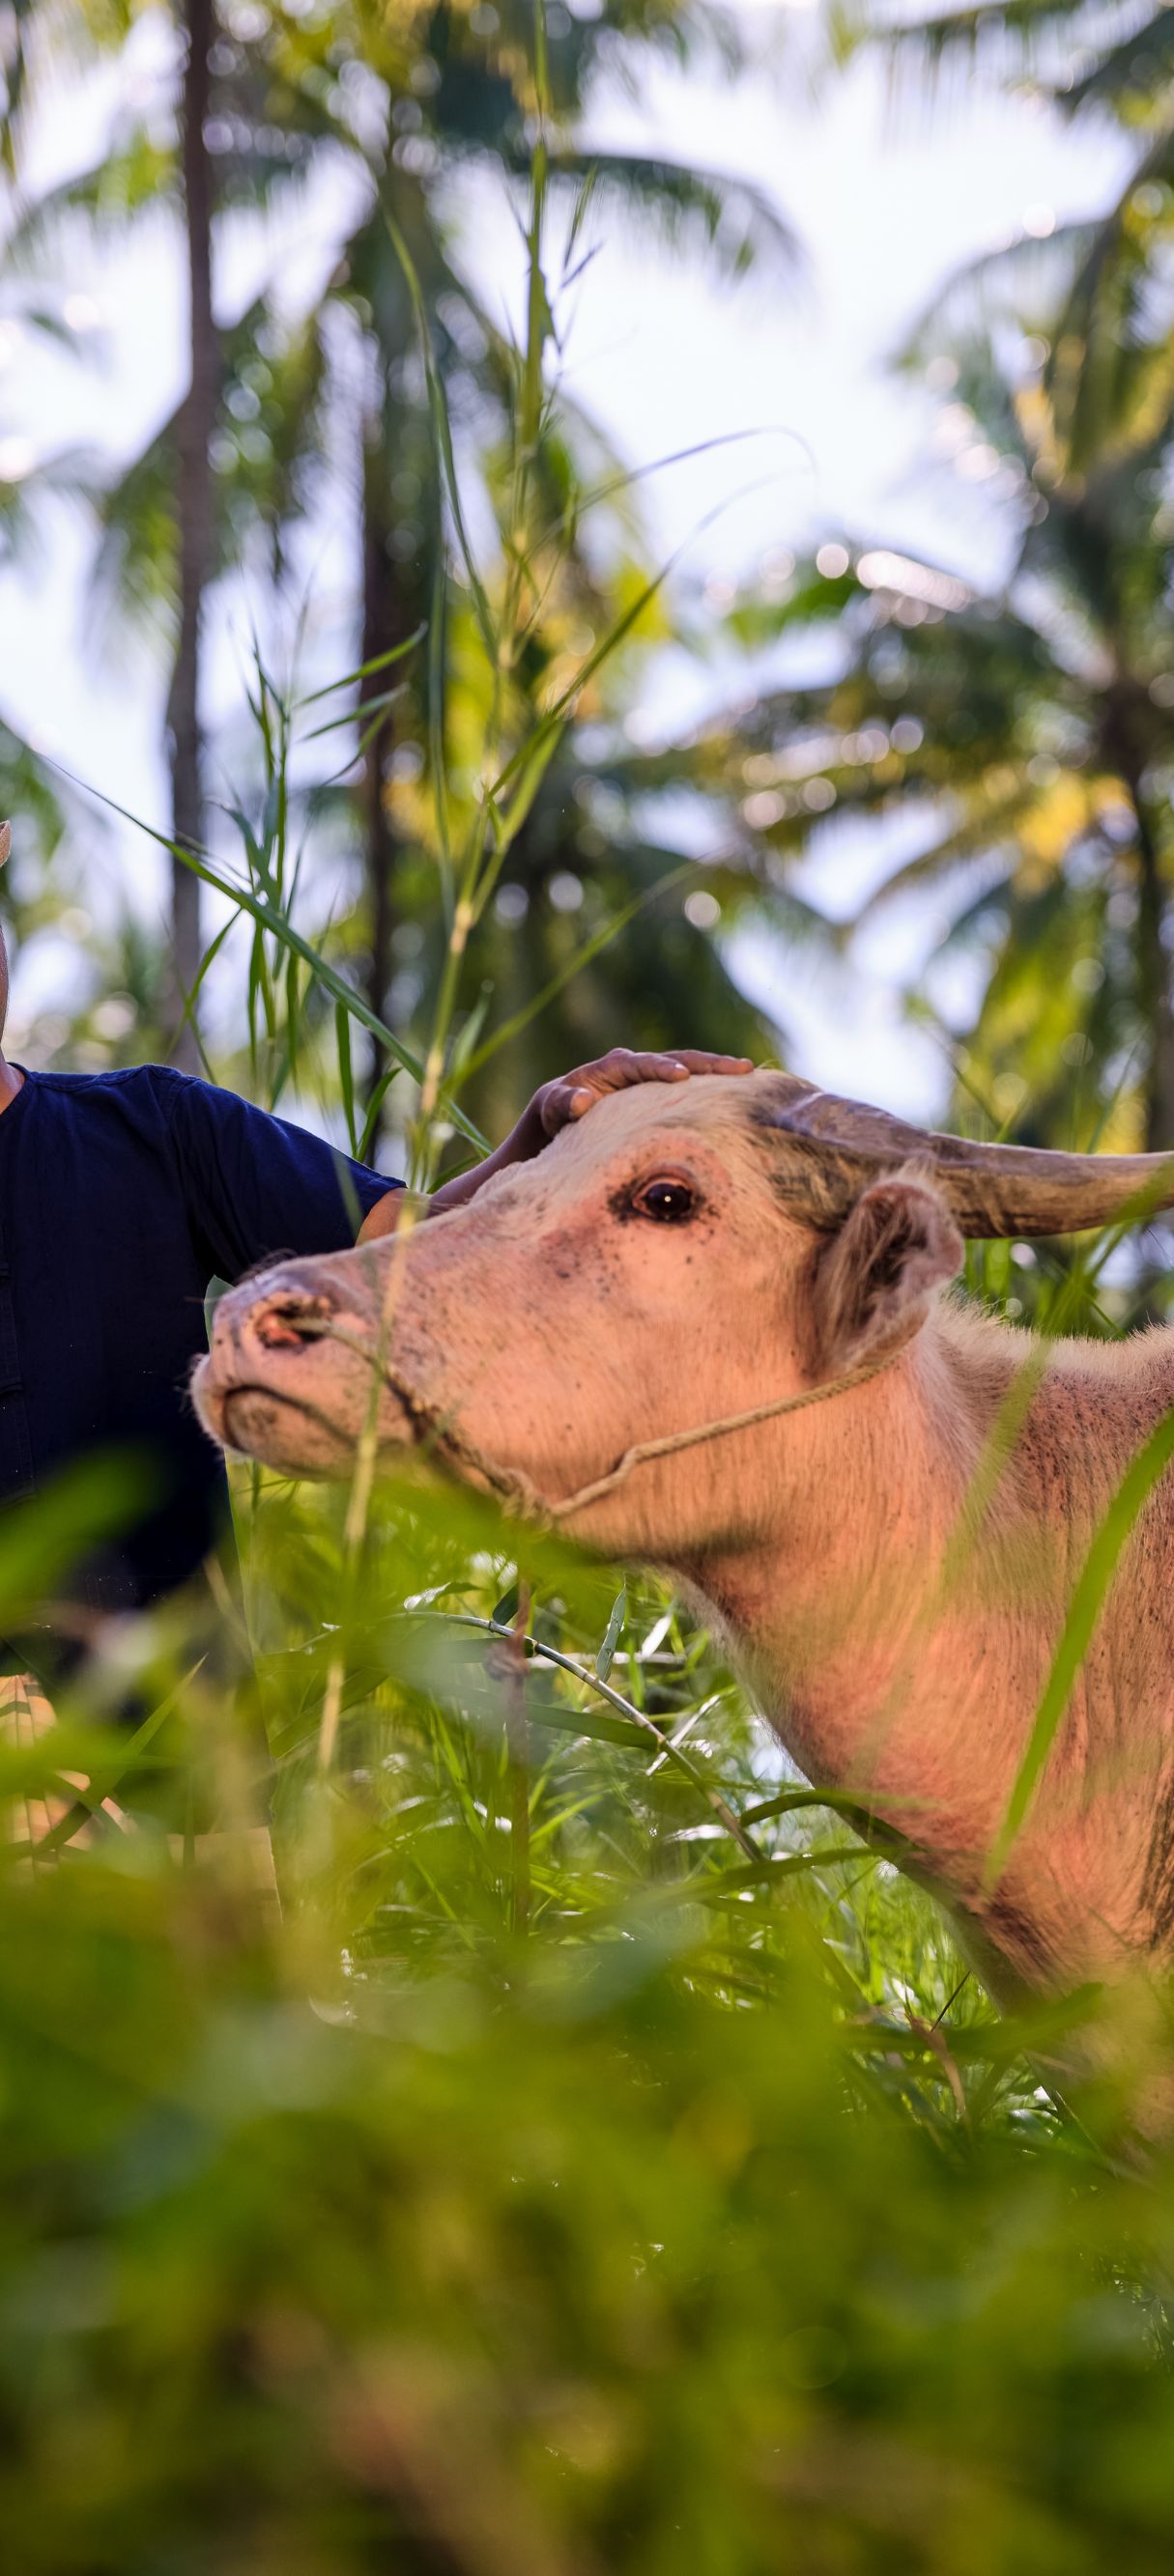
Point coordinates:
[(601, 2160)]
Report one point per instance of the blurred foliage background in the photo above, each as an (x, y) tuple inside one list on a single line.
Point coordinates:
[(600, 2158)]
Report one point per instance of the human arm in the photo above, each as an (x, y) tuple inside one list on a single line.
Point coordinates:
[(257, 1187)]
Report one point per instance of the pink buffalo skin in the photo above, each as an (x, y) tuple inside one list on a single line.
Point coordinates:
[(896, 1621)]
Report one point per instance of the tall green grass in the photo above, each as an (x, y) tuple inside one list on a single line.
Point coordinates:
[(603, 2160)]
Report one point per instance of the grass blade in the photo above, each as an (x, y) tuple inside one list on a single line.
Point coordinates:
[(1088, 1600)]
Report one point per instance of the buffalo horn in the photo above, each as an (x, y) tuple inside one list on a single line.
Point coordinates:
[(837, 1146)]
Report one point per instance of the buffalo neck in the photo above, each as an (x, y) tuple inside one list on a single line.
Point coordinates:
[(899, 1612)]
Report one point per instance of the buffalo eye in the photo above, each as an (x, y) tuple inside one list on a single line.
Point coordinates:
[(667, 1201)]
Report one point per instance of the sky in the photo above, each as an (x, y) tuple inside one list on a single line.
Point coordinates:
[(887, 199)]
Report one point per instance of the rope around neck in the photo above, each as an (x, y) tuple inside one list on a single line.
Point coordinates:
[(642, 1450), (430, 1423)]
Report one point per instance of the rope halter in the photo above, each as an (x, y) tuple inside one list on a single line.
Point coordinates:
[(431, 1425)]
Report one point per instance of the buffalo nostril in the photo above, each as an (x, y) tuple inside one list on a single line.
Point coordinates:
[(288, 1320)]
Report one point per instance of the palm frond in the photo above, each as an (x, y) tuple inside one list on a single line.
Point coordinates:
[(736, 221), (137, 176), (1136, 68), (1110, 374), (1024, 280)]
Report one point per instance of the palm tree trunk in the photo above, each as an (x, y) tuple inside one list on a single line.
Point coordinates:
[(1153, 982), (384, 627), (194, 512)]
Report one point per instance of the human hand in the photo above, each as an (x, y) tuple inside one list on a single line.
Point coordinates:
[(560, 1103)]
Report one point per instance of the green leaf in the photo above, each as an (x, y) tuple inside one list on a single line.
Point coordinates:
[(1088, 1600), (342, 1036), (365, 671), (611, 1636), (269, 918), (442, 431), (374, 1106), (598, 1723)]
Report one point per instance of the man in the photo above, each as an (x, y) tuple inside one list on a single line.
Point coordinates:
[(121, 1196)]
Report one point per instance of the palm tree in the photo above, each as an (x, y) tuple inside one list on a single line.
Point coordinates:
[(103, 25), (1027, 732), (32, 482), (465, 104), (435, 96), (601, 928), (1110, 372), (197, 420)]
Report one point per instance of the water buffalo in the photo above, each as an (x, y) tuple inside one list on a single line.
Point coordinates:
[(684, 1257)]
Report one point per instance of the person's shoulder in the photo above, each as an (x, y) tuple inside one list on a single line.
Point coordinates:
[(114, 1078), (211, 1105), (119, 1082), (146, 1095)]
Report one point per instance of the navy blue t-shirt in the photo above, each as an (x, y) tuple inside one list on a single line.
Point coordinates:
[(121, 1196)]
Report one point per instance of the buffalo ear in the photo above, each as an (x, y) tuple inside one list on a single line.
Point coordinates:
[(875, 1280)]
